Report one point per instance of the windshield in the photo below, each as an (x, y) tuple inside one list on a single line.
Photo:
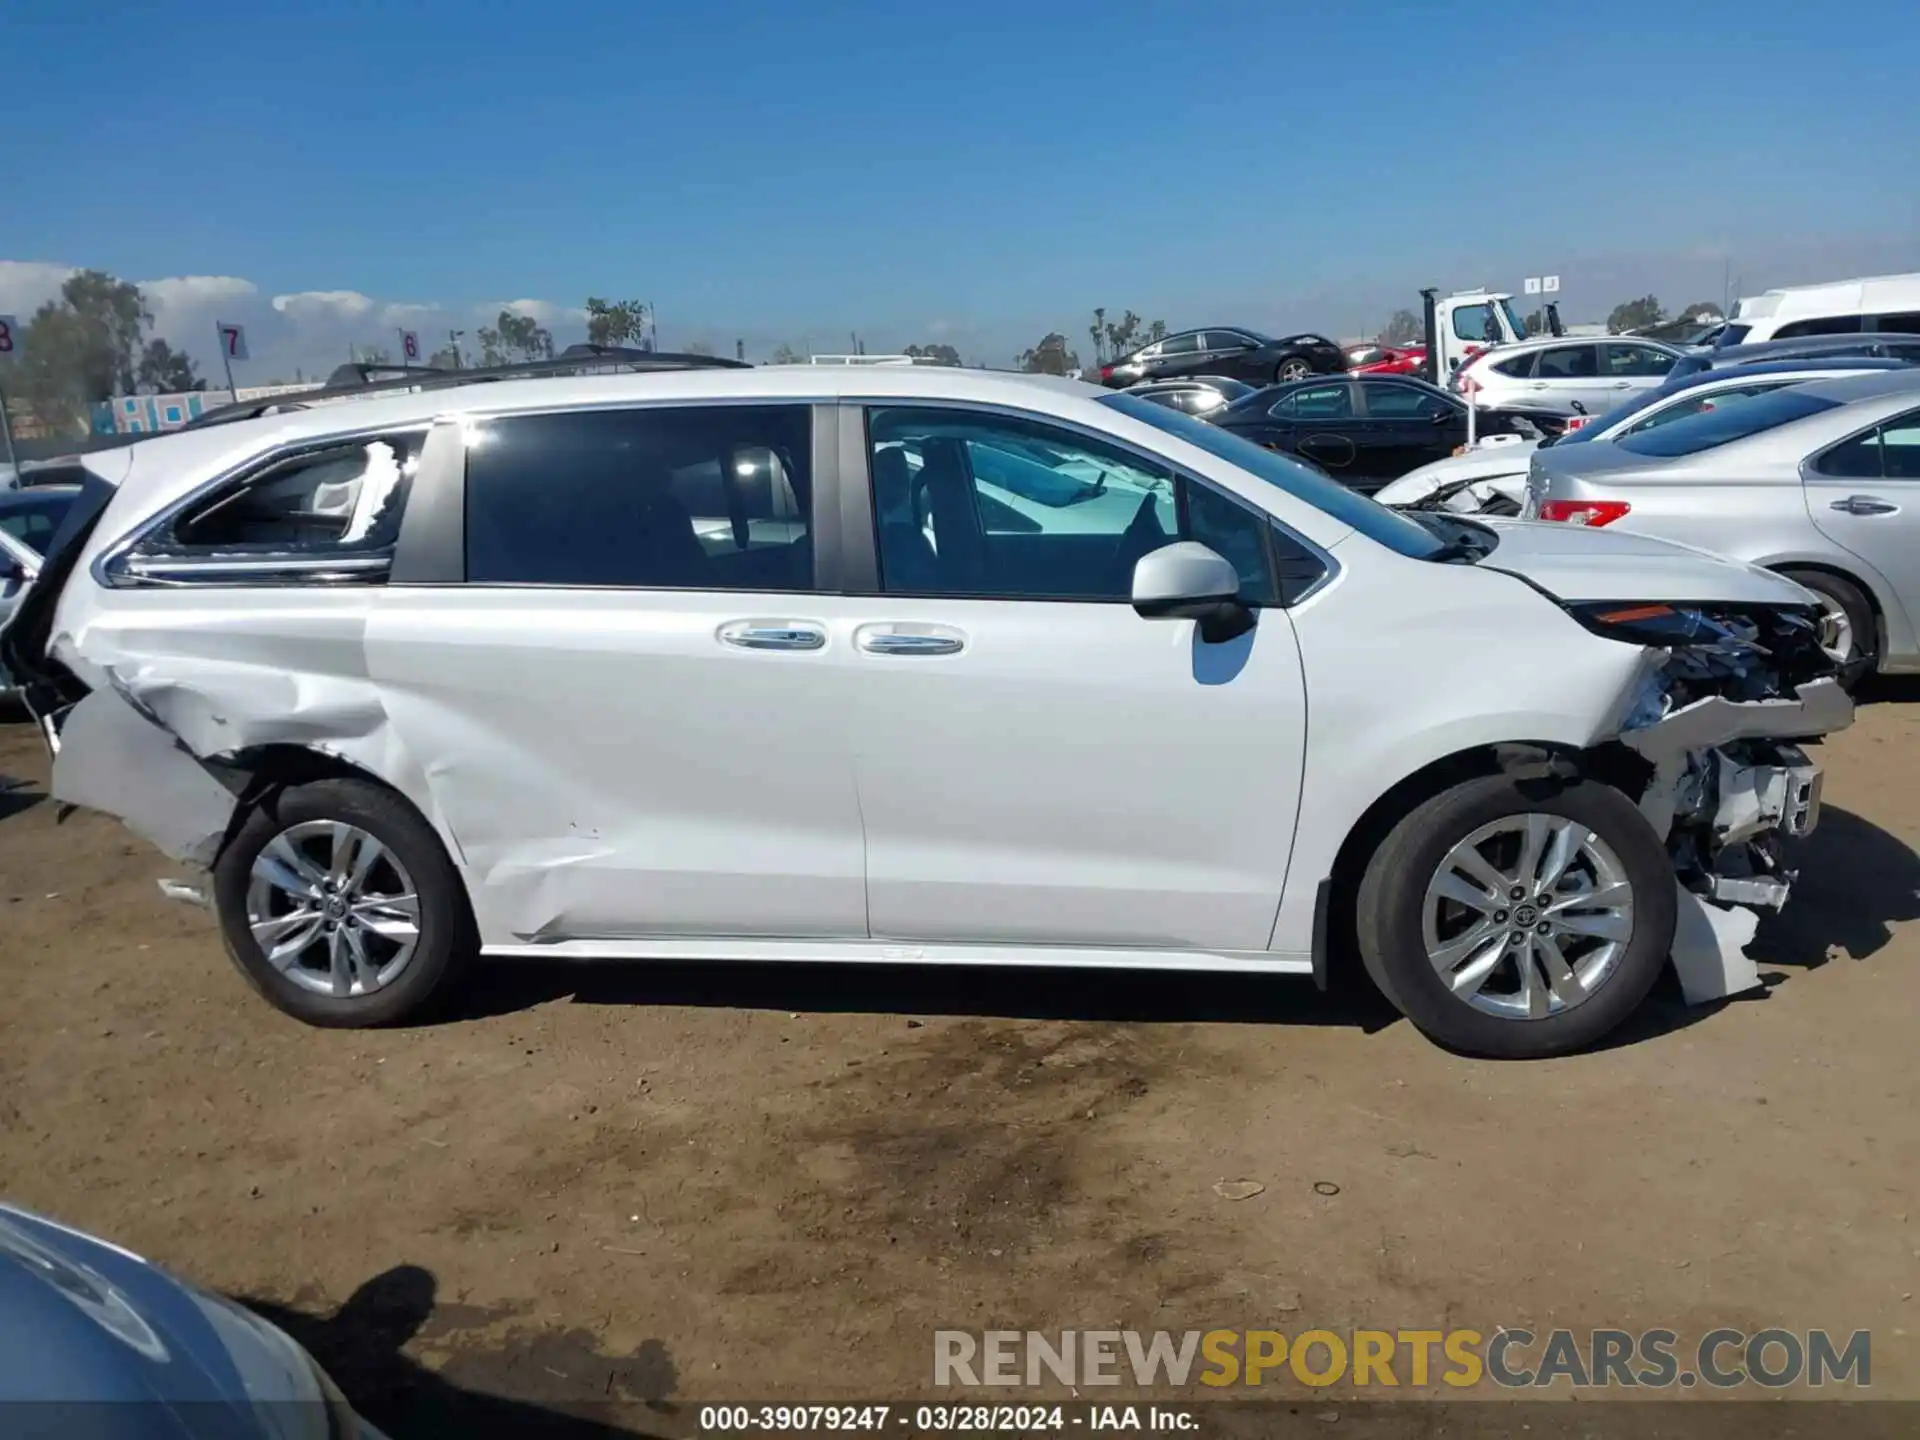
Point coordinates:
[(1711, 428), (1372, 519), (1519, 330)]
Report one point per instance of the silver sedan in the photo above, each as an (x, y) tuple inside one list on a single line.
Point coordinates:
[(1820, 482)]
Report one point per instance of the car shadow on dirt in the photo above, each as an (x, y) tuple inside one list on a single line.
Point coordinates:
[(1856, 881), (497, 1379)]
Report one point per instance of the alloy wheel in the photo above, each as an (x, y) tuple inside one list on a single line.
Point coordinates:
[(1836, 629), (1528, 916), (1294, 370), (333, 909)]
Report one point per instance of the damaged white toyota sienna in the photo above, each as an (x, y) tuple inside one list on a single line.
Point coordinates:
[(911, 665)]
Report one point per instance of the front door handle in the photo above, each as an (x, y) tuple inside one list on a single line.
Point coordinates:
[(909, 639), (1864, 505), (773, 635)]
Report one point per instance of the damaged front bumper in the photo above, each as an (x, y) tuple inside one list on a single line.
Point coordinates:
[(1728, 786)]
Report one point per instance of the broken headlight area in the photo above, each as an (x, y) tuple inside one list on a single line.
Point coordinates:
[(1735, 652)]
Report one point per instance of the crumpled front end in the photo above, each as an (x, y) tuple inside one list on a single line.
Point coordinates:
[(1717, 718)]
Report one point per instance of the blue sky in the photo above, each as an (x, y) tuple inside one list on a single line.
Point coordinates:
[(982, 172)]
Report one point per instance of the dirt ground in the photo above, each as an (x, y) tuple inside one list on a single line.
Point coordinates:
[(676, 1183)]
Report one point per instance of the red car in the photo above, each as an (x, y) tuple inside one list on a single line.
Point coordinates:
[(1386, 359)]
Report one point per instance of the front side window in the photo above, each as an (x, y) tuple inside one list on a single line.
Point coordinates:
[(1567, 362), (953, 516), (1470, 323), (329, 512), (1315, 402), (713, 497), (1304, 482), (1637, 360)]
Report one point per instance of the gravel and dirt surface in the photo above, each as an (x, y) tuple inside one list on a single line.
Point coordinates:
[(677, 1183)]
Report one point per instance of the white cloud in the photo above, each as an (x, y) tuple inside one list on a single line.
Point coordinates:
[(541, 312), (194, 292), (26, 285), (345, 304)]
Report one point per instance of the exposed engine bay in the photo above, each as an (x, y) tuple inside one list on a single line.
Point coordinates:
[(1714, 720)]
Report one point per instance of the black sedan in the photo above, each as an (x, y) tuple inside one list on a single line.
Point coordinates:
[(1365, 430), (1238, 354), (1200, 395)]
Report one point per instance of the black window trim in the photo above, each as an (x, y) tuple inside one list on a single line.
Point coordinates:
[(826, 520), (1810, 470), (1592, 347), (119, 568), (855, 479), (1394, 382), (1354, 412)]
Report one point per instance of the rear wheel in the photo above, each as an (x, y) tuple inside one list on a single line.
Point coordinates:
[(338, 903), (1518, 918), (1292, 369), (1847, 625)]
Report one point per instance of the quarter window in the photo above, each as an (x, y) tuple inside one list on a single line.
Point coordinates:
[(330, 513), (1000, 507), (696, 498), (1518, 368)]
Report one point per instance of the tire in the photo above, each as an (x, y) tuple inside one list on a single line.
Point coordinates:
[(1846, 598), (1393, 905), (1293, 368), (386, 987)]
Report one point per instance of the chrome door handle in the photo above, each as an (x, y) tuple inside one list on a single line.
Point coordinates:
[(1864, 505), (749, 635), (894, 643)]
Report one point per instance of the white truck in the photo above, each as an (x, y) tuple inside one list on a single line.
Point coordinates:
[(1461, 325)]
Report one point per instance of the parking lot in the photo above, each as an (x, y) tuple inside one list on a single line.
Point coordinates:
[(696, 1182)]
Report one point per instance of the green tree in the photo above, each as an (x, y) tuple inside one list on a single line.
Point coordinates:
[(167, 370), (1701, 309), (113, 319), (46, 378), (1635, 314), (445, 358), (371, 355), (938, 354), (1050, 357), (1535, 322), (1404, 328), (784, 354), (699, 347), (616, 322), (514, 339)]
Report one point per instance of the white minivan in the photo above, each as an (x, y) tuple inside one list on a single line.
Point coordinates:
[(1876, 304)]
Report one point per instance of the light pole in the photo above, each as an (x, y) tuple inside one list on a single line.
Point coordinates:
[(453, 343)]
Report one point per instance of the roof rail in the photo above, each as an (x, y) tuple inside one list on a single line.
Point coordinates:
[(377, 380)]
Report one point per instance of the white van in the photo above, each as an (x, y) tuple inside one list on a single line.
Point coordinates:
[(1843, 307)]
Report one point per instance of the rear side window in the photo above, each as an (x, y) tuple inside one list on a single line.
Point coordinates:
[(1710, 428), (32, 519), (1567, 362), (325, 514), (710, 497)]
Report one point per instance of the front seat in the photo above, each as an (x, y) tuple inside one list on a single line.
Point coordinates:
[(907, 561), (948, 482)]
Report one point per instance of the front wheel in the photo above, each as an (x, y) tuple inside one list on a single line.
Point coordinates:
[(1518, 919), (338, 904), (1847, 625)]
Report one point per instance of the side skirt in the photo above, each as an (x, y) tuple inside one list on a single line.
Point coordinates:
[(896, 952)]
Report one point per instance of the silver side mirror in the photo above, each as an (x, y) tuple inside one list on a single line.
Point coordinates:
[(1186, 580)]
